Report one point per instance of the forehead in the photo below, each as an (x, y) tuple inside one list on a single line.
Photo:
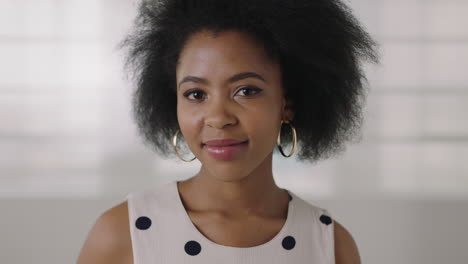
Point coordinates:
[(205, 53)]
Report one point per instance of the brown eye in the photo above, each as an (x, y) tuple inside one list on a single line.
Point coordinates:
[(197, 94), (250, 90)]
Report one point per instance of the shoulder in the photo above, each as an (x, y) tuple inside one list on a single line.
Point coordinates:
[(109, 239), (346, 251)]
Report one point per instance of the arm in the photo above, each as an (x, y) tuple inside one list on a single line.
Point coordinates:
[(109, 241), (346, 251)]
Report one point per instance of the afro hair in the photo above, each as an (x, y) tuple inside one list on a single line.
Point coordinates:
[(319, 44)]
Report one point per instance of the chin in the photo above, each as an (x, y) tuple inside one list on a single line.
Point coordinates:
[(227, 172)]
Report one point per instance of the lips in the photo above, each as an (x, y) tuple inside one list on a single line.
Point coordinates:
[(226, 151), (223, 142)]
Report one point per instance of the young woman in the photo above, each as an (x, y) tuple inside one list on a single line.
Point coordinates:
[(237, 81)]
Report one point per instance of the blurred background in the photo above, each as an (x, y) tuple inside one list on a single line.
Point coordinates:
[(69, 149)]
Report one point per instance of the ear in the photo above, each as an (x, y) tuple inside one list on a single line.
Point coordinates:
[(287, 110)]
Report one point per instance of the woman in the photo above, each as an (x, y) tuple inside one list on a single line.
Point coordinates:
[(236, 80)]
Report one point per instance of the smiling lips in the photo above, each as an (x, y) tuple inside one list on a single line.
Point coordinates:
[(224, 149), (223, 142)]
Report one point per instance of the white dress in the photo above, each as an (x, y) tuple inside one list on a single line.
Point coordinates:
[(162, 233)]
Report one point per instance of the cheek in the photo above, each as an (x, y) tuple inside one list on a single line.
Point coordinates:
[(186, 122), (190, 123), (264, 127)]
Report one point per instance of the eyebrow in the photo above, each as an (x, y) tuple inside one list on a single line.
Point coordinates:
[(234, 78)]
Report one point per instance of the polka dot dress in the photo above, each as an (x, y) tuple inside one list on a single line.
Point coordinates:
[(162, 233)]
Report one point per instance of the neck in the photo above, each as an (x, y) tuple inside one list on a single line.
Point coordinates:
[(253, 194)]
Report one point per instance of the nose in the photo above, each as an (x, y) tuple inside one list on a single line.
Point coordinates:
[(218, 114)]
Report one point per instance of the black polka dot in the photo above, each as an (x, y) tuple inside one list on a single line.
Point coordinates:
[(325, 219), (289, 242), (192, 248), (143, 223)]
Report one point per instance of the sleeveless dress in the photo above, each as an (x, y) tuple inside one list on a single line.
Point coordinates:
[(162, 233)]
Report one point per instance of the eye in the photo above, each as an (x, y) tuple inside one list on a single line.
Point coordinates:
[(198, 94), (250, 89), (195, 92)]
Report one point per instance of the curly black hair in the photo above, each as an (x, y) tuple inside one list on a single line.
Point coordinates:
[(319, 44)]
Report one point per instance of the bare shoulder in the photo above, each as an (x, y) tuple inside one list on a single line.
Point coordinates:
[(346, 251), (109, 239)]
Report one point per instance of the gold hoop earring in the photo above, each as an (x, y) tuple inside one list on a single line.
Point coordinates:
[(174, 144), (278, 141)]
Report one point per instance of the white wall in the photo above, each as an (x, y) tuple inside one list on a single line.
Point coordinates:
[(69, 150)]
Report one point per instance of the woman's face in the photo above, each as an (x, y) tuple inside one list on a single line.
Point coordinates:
[(214, 106)]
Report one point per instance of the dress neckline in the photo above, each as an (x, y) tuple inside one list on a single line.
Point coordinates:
[(276, 240)]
